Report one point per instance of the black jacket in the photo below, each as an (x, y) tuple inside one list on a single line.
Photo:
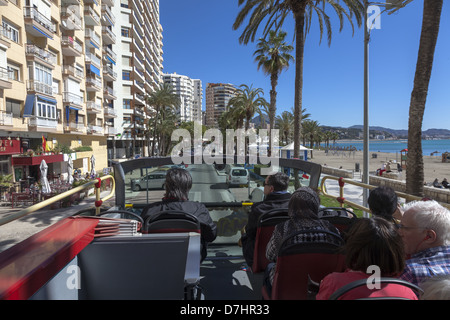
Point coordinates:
[(207, 226), (272, 201)]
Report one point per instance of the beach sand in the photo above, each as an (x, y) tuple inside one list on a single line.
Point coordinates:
[(433, 165)]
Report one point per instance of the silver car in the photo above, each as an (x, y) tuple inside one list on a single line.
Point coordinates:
[(153, 180)]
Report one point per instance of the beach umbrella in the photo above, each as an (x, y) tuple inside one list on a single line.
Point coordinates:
[(92, 165), (44, 181), (70, 170)]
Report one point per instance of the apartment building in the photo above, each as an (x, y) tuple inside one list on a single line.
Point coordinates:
[(190, 93), (56, 82), (217, 97), (139, 68)]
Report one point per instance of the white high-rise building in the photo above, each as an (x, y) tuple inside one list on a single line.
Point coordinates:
[(139, 65), (190, 93)]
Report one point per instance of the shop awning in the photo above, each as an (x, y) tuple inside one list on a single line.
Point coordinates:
[(33, 161)]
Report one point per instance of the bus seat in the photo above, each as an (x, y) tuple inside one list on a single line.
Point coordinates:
[(363, 282), (171, 221), (341, 218), (299, 263), (266, 224)]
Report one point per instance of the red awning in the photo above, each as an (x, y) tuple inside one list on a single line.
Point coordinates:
[(33, 161)]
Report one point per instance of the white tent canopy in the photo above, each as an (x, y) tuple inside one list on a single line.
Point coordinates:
[(290, 146)]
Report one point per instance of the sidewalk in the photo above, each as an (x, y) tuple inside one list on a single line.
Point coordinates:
[(19, 230)]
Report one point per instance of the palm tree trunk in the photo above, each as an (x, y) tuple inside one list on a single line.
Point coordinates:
[(272, 107), (428, 38), (299, 15)]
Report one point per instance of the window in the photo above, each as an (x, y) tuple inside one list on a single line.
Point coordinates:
[(13, 106), (46, 109), (126, 32), (43, 74), (10, 32), (126, 103), (13, 71), (125, 75)]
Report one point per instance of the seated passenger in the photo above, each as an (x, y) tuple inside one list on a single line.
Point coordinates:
[(303, 215), (425, 230), (275, 197), (178, 183), (369, 242), (445, 183), (383, 202)]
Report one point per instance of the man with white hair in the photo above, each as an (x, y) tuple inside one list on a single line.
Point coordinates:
[(425, 230)]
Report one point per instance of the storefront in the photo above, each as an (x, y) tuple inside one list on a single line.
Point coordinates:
[(8, 148)]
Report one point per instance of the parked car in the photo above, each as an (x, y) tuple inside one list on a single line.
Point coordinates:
[(237, 176), (153, 180)]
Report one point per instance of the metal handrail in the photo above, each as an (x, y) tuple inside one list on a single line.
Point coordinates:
[(96, 183), (341, 199)]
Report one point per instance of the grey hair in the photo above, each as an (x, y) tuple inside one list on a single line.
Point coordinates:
[(431, 215), (178, 183)]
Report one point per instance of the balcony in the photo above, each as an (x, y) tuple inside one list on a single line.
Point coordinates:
[(75, 127), (109, 93), (36, 123), (92, 38), (6, 119), (91, 58), (93, 84), (91, 17), (71, 47), (109, 112), (70, 18), (40, 55), (39, 87), (93, 107), (37, 24), (139, 99), (109, 74), (110, 55), (108, 17), (69, 70), (111, 131), (72, 99), (4, 79), (96, 130), (108, 36)]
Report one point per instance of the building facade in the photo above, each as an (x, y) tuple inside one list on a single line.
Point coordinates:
[(217, 97), (74, 73), (190, 94), (139, 67)]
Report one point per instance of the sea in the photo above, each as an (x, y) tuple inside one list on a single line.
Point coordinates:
[(429, 147)]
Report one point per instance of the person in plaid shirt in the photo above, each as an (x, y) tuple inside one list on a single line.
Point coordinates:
[(425, 230)]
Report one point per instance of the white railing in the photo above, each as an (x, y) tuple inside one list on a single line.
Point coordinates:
[(36, 121), (109, 111), (33, 13), (94, 106), (93, 35), (41, 53), (94, 81), (94, 129), (69, 41), (90, 11), (72, 98), (6, 118), (89, 57), (33, 85), (4, 74)]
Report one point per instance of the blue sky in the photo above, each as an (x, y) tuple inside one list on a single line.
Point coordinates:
[(199, 42)]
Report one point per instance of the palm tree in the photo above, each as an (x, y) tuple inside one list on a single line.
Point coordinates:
[(311, 129), (428, 38), (273, 56), (247, 102), (163, 97), (276, 11), (284, 124)]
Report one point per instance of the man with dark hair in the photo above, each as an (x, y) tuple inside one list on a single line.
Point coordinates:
[(177, 185), (275, 196)]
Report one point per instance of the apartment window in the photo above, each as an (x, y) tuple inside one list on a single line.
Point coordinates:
[(10, 31), (126, 32), (13, 71), (126, 120), (43, 74), (46, 110), (125, 75), (126, 103), (13, 106)]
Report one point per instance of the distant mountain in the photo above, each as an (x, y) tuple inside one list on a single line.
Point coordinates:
[(355, 132)]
